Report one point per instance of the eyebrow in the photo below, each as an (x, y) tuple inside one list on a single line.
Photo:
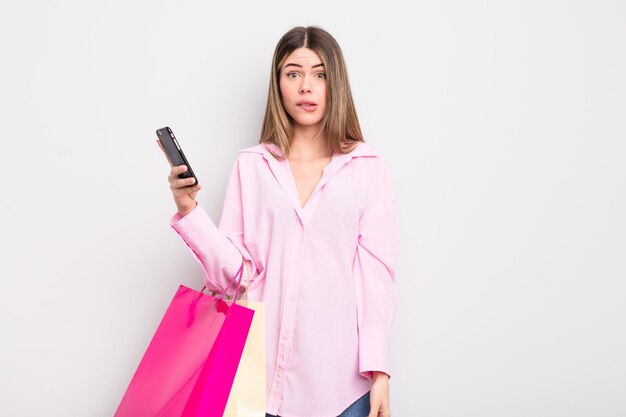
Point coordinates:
[(300, 66)]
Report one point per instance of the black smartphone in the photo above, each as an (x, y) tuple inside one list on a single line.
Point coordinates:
[(174, 152)]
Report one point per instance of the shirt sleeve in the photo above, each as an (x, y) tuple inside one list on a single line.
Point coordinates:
[(374, 275), (220, 250)]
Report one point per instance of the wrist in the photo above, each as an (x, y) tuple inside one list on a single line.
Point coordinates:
[(186, 210), (378, 375)]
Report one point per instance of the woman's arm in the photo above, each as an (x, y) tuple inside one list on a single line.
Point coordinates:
[(374, 274), (218, 249)]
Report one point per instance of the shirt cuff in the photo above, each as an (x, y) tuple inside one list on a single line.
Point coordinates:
[(373, 352), (219, 258), (176, 217)]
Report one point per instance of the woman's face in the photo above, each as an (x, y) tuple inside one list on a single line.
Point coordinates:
[(303, 87)]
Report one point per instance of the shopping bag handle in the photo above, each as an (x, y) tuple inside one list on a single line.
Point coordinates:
[(223, 293)]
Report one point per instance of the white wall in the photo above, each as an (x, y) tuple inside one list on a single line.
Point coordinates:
[(503, 123)]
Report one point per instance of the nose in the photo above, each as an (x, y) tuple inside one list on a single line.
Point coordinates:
[(304, 86)]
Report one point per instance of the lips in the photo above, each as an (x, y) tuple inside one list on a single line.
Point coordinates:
[(307, 105)]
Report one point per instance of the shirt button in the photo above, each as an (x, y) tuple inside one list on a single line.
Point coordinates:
[(284, 336)]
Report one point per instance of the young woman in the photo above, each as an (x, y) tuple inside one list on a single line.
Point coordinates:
[(310, 209)]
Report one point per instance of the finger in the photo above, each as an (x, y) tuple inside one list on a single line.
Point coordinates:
[(385, 410), (176, 171), (194, 192), (181, 183), (196, 187)]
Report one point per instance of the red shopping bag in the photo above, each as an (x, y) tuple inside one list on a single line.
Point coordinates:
[(190, 364)]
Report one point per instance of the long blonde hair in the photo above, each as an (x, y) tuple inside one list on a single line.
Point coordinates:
[(340, 124)]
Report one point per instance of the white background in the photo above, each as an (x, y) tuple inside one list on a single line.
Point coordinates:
[(503, 124)]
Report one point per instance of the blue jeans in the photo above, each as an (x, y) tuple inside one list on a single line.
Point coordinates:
[(359, 408)]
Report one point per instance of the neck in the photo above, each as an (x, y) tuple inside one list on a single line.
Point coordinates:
[(309, 142)]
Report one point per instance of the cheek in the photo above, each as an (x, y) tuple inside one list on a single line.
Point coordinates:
[(281, 87), (323, 97), (284, 92), (322, 92)]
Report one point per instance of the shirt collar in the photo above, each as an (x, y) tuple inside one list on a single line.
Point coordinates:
[(282, 171), (362, 149)]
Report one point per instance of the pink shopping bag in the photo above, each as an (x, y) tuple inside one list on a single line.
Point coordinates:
[(190, 364)]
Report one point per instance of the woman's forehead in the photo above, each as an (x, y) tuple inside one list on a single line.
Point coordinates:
[(304, 57)]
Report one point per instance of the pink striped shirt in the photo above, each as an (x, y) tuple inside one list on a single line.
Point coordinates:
[(325, 271)]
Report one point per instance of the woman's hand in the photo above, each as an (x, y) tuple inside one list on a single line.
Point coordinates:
[(184, 194), (379, 395)]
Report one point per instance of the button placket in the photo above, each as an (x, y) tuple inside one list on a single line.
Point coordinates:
[(292, 288), (288, 321)]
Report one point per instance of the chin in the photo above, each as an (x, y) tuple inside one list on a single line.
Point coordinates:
[(307, 121)]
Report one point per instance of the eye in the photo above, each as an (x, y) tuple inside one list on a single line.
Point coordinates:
[(323, 74), (289, 75)]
